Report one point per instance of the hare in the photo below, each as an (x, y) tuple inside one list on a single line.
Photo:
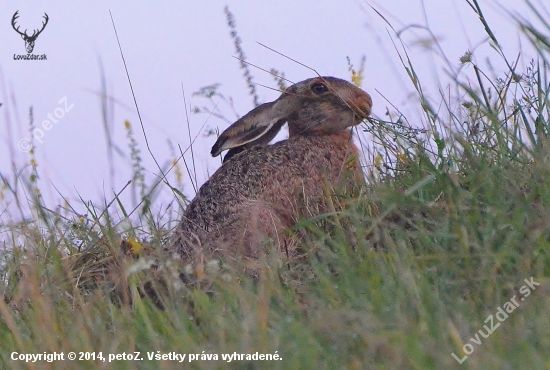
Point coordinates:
[(261, 190)]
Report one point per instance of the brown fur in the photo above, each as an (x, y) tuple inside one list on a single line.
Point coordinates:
[(261, 191)]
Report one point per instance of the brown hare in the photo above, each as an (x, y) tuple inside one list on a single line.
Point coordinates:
[(261, 189)]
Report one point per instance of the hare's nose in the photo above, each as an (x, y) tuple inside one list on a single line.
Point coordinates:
[(362, 104)]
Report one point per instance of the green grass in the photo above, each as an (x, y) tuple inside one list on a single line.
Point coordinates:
[(450, 225)]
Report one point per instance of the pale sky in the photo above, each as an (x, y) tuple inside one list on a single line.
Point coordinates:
[(170, 44)]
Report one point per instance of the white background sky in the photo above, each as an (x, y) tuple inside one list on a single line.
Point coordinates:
[(168, 44)]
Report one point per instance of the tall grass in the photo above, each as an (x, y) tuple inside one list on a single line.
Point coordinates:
[(455, 218)]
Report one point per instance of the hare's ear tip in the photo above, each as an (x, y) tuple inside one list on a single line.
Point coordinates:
[(217, 148), (215, 151)]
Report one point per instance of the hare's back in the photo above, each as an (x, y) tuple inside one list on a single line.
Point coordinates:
[(273, 174)]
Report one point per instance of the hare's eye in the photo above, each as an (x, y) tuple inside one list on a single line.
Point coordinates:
[(319, 88)]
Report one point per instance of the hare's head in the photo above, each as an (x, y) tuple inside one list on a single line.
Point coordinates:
[(317, 106)]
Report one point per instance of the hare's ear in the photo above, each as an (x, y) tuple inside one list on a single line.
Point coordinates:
[(258, 127), (262, 140)]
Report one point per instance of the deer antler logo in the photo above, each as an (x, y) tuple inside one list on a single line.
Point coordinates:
[(29, 40)]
